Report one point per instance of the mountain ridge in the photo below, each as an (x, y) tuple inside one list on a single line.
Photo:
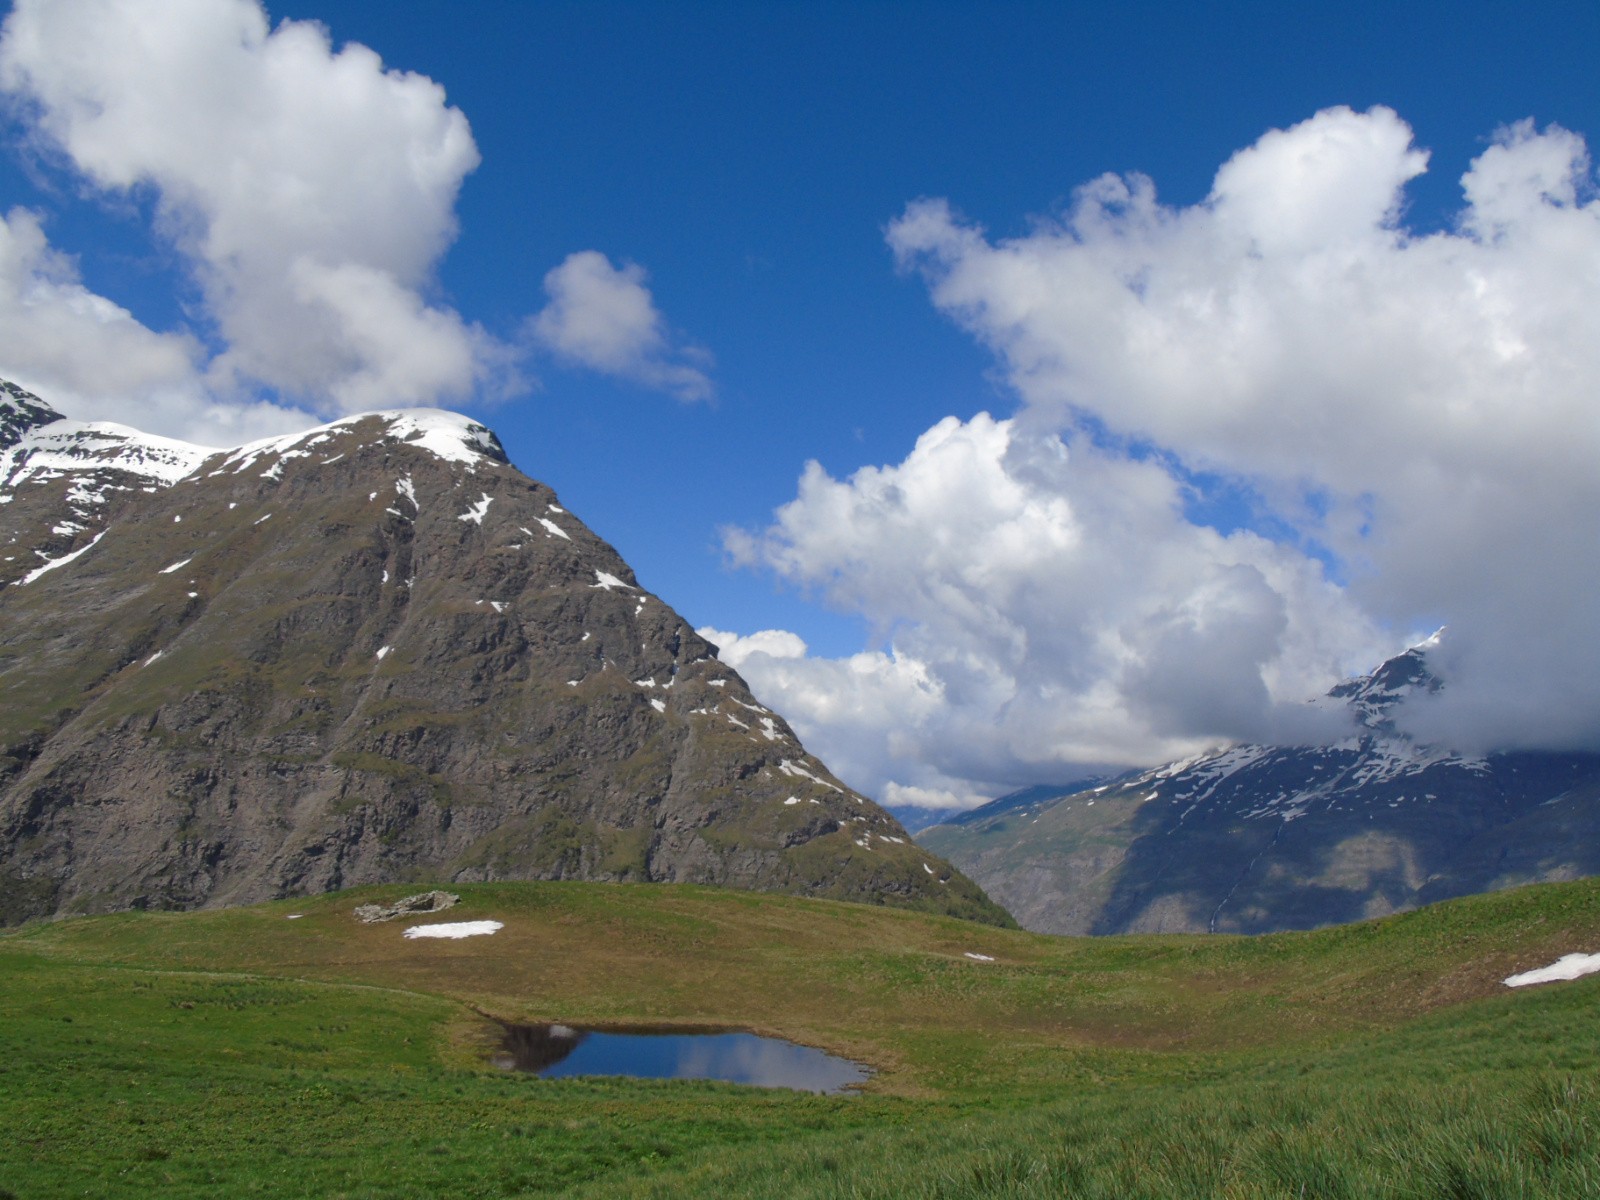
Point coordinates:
[(374, 651), (1256, 838)]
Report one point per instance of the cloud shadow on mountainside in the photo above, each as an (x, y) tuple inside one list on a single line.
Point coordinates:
[(1212, 868)]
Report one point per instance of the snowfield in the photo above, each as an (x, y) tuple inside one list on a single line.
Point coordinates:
[(455, 929), (1568, 966)]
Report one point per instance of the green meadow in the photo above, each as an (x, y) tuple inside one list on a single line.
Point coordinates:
[(238, 1052)]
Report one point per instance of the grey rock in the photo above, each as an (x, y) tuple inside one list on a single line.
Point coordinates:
[(423, 902)]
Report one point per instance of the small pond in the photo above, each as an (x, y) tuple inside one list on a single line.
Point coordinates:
[(557, 1050)]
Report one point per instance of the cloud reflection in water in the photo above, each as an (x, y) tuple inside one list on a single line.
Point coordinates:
[(558, 1050)]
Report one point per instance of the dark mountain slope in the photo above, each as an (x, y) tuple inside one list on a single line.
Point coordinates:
[(1257, 838), (377, 651)]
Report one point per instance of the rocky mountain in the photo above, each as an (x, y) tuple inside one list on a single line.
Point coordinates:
[(373, 651), (1249, 839)]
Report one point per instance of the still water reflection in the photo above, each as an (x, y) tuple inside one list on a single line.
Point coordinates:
[(556, 1050)]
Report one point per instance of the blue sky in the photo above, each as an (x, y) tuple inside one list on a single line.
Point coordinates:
[(750, 155), (751, 160)]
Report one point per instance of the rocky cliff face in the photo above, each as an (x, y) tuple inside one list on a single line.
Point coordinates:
[(375, 651), (1250, 839)]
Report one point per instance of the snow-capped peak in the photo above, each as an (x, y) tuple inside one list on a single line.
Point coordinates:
[(21, 412), (75, 447), (447, 435), (92, 460), (1376, 751), (1371, 698), (56, 443)]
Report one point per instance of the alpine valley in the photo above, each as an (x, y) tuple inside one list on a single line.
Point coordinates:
[(1251, 839), (372, 652)]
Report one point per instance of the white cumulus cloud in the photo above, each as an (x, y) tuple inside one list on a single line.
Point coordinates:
[(735, 649), (1048, 611), (52, 326), (604, 318), (1409, 423), (866, 713), (89, 357), (310, 192)]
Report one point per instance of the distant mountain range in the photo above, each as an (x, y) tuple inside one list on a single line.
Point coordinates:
[(1249, 839), (374, 651)]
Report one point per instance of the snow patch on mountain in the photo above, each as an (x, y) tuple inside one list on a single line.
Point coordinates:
[(53, 563), (77, 448), (478, 510), (790, 768), (1568, 966), (446, 435)]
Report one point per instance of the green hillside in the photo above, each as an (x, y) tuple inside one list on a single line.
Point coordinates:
[(238, 1052)]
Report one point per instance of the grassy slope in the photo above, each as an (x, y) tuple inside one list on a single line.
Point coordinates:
[(237, 1051)]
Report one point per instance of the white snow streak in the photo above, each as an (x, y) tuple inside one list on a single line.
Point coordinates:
[(1568, 966), (789, 768), (476, 513), (60, 562), (455, 929)]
